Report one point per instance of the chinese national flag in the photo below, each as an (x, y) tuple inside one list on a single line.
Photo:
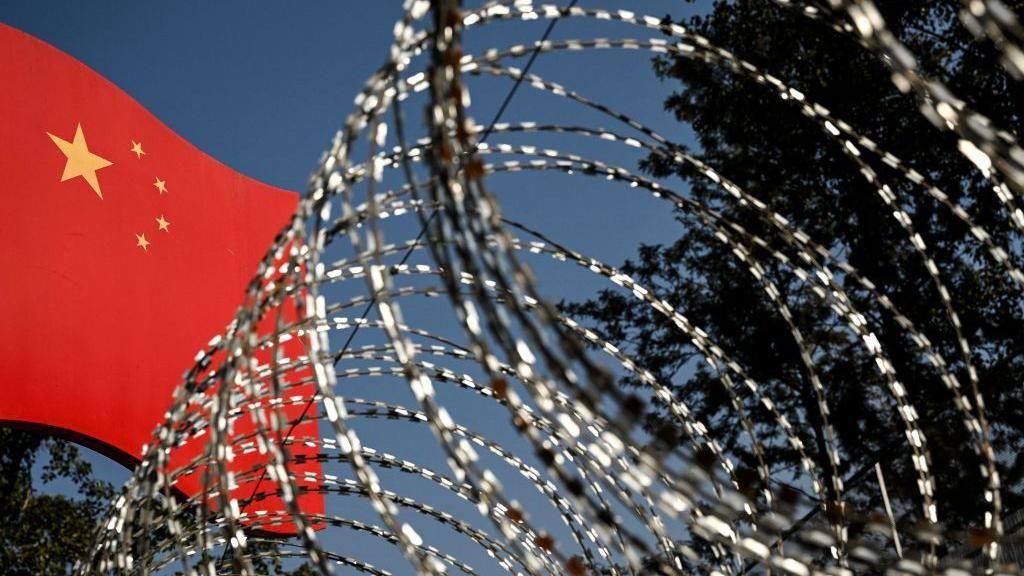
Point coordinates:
[(123, 250)]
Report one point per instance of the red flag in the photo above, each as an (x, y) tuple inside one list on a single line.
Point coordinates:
[(123, 249)]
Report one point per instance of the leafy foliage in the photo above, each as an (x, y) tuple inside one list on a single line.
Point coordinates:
[(767, 147), (45, 533)]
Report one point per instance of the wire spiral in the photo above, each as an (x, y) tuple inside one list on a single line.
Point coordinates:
[(281, 411)]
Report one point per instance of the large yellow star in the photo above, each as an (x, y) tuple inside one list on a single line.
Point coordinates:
[(81, 162)]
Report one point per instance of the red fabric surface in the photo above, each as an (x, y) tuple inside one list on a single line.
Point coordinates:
[(96, 331)]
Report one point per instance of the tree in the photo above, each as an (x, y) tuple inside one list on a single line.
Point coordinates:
[(768, 148), (45, 533)]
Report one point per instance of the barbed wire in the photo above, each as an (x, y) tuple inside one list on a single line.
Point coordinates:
[(268, 451)]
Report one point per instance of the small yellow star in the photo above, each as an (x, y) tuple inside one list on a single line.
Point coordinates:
[(81, 162), (161, 186), (141, 242), (163, 224), (137, 148)]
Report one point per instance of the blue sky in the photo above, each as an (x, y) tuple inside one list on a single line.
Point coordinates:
[(262, 87)]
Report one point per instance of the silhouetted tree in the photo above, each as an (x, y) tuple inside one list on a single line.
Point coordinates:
[(770, 149), (44, 533)]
